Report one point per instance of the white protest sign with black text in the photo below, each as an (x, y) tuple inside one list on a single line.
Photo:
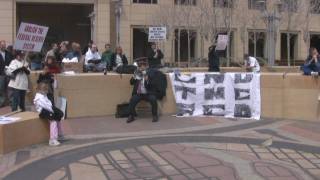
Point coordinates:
[(30, 37), (222, 42), (157, 34), (212, 94)]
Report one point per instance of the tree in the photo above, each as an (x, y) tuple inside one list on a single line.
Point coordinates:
[(310, 7)]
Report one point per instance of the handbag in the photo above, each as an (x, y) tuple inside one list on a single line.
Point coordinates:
[(122, 110)]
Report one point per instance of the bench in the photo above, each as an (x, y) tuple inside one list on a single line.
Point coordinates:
[(29, 130)]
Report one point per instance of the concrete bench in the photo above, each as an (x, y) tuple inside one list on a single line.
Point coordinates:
[(29, 130)]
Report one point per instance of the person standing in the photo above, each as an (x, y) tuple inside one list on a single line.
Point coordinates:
[(5, 59), (155, 56), (214, 62), (251, 64), (18, 72)]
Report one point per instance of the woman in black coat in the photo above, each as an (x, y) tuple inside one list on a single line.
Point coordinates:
[(118, 60)]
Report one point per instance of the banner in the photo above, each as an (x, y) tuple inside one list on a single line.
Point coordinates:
[(157, 34), (232, 95), (30, 37)]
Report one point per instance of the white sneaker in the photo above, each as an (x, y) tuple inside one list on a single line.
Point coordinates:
[(314, 73), (54, 142)]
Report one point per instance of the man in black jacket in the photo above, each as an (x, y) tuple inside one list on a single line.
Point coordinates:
[(155, 56), (5, 59), (214, 63), (143, 89)]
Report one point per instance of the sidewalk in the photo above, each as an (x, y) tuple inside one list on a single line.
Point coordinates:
[(174, 148)]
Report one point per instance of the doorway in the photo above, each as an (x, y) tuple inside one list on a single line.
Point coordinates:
[(69, 22)]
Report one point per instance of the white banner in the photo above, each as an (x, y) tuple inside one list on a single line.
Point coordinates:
[(157, 34), (30, 37), (232, 95)]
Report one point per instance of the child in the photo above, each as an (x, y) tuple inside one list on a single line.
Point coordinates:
[(48, 111), (47, 78)]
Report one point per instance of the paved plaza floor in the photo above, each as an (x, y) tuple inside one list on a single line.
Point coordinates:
[(174, 148)]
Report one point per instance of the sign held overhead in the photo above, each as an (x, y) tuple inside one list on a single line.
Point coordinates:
[(157, 34), (30, 37)]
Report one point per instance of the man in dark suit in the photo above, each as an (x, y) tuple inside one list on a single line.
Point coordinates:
[(143, 89), (155, 56), (5, 59)]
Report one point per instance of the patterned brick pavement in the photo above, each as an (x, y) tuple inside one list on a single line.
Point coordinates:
[(174, 148)]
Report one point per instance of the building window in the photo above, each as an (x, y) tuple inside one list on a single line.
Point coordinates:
[(315, 6), (289, 5), (223, 3), (256, 4), (184, 45), (140, 45), (146, 1), (315, 41), (289, 48), (185, 2), (257, 43)]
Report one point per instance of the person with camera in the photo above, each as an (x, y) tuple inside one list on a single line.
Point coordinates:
[(312, 63), (18, 72), (251, 64), (143, 89), (155, 56)]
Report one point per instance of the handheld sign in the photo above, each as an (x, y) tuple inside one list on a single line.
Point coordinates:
[(222, 42), (157, 34), (30, 37)]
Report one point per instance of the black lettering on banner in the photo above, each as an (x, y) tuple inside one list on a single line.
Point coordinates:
[(242, 94), (191, 80), (243, 79), (185, 91), (218, 78), (208, 110), (184, 109), (242, 110), (211, 93)]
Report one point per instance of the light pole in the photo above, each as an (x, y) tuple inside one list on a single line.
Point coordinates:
[(118, 12), (272, 20)]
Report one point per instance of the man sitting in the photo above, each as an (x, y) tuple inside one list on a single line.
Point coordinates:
[(312, 64), (93, 60), (144, 88)]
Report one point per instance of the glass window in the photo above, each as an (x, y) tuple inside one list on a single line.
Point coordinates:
[(146, 1), (223, 3), (256, 4), (185, 2), (289, 5)]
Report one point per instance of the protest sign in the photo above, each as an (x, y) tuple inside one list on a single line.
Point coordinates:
[(222, 42), (30, 37), (157, 34)]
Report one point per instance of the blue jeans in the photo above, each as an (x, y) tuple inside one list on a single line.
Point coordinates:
[(18, 99), (308, 68)]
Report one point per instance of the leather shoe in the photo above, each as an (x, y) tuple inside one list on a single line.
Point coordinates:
[(130, 119), (155, 119)]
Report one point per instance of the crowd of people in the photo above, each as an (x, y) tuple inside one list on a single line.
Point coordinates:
[(149, 84)]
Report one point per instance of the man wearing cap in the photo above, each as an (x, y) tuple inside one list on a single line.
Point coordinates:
[(143, 89)]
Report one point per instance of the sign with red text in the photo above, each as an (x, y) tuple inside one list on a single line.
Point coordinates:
[(30, 37)]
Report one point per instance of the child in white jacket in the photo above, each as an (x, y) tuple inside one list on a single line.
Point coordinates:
[(49, 112)]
